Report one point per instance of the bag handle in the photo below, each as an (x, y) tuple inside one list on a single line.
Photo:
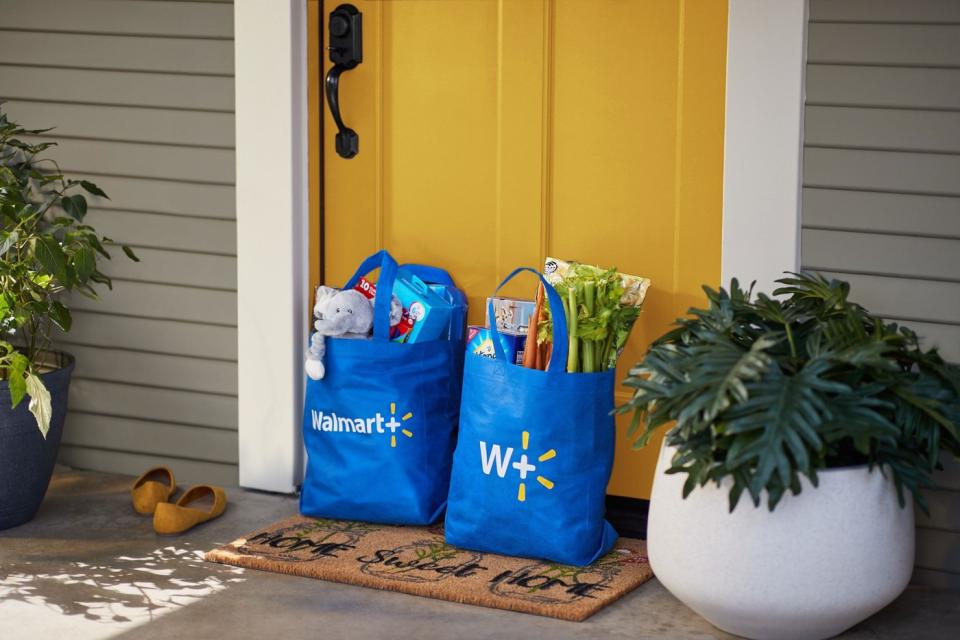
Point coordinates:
[(381, 305), (430, 275), (558, 361)]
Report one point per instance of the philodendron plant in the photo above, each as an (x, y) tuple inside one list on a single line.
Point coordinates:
[(765, 389), (45, 251)]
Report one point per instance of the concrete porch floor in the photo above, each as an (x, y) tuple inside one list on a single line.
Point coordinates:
[(88, 567)]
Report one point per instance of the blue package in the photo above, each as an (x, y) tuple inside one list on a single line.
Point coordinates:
[(458, 316), (429, 313), (480, 342)]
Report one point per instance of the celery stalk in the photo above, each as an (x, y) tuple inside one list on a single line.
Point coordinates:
[(589, 298), (573, 348), (605, 352)]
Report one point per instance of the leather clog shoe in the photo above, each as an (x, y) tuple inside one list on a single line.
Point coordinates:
[(198, 504), (152, 488)]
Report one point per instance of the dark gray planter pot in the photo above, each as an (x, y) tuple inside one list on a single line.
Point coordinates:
[(26, 458)]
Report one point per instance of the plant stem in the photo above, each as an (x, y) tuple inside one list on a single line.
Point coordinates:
[(32, 340)]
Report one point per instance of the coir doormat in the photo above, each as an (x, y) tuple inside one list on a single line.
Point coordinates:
[(416, 560)]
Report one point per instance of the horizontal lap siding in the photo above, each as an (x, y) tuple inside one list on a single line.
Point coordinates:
[(167, 197), (937, 216), (147, 18), (117, 52), (881, 197), (883, 129), (883, 254), (138, 160), (117, 88), (133, 124), (176, 337), (141, 95), (892, 87), (146, 402), (874, 11), (163, 231)]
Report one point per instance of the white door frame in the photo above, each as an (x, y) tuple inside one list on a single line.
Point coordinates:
[(271, 124), (766, 48), (763, 140)]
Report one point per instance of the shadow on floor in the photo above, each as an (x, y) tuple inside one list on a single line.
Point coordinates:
[(122, 589)]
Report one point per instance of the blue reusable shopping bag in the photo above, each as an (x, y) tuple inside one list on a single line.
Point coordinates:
[(379, 428), (534, 455)]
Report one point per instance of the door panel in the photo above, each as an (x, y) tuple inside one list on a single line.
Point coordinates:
[(495, 133)]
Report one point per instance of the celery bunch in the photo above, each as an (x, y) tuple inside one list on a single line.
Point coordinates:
[(600, 308)]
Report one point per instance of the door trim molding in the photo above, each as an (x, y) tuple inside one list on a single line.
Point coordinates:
[(270, 53), (763, 140)]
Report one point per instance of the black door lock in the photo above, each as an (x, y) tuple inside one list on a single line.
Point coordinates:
[(345, 44)]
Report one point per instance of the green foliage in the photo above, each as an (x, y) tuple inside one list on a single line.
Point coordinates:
[(45, 251), (765, 389)]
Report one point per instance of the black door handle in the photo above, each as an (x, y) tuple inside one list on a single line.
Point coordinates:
[(347, 141), (346, 52)]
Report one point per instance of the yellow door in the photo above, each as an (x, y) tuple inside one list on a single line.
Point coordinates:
[(496, 132)]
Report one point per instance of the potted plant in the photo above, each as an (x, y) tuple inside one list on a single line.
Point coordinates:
[(803, 430), (45, 250)]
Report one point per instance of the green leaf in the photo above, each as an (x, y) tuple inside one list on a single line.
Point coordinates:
[(75, 206), (40, 405), (60, 315), (7, 240), (84, 262), (100, 278), (52, 258), (130, 254), (16, 381), (93, 189), (98, 247), (42, 280)]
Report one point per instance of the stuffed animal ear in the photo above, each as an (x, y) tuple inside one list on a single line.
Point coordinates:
[(321, 296)]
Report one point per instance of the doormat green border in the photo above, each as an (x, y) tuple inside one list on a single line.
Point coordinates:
[(416, 560)]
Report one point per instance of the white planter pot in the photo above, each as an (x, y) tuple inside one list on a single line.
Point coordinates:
[(820, 563)]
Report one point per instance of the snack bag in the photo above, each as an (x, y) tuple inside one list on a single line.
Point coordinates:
[(555, 270)]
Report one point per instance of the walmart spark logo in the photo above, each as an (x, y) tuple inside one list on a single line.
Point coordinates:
[(498, 459), (393, 425)]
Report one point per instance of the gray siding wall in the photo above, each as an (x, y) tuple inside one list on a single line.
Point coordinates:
[(141, 93), (881, 197)]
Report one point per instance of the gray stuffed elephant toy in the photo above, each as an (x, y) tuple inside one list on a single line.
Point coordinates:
[(342, 314)]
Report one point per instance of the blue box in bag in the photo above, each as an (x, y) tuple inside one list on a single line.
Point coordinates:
[(429, 312)]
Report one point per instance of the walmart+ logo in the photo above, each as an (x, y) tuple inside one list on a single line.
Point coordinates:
[(497, 458), (374, 424)]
